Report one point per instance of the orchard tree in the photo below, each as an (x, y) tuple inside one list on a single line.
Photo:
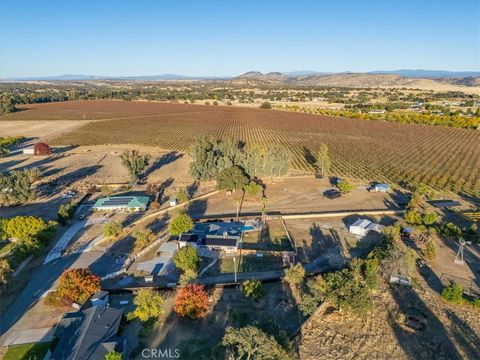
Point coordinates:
[(148, 304), (250, 342), (323, 162), (187, 259), (78, 284), (180, 224), (192, 301), (135, 163)]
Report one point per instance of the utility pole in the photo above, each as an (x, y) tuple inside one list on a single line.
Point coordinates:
[(235, 268)]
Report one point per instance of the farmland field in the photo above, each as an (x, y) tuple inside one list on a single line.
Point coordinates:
[(444, 158)]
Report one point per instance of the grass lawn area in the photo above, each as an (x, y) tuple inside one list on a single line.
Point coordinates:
[(27, 351), (246, 263), (273, 237)]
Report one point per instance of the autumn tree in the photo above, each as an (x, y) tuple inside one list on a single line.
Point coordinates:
[(135, 163), (250, 342), (323, 162), (192, 301), (186, 258), (148, 304), (78, 284), (180, 224)]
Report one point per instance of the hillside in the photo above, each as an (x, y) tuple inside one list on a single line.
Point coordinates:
[(444, 331)]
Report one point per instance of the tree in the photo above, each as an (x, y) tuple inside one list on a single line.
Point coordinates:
[(345, 186), (182, 196), (148, 304), (232, 178), (180, 224), (186, 258), (143, 237), (192, 301), (7, 103), (113, 355), (135, 163), (295, 275), (66, 212), (266, 105), (253, 188), (253, 289), (277, 161), (429, 252), (21, 228), (5, 272), (429, 218), (187, 277), (78, 284), (17, 186), (412, 217), (323, 161), (112, 229), (250, 342)]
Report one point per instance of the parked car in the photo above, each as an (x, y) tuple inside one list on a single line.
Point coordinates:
[(332, 194)]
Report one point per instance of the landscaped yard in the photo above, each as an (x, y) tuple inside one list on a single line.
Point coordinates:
[(245, 263), (273, 237), (32, 351)]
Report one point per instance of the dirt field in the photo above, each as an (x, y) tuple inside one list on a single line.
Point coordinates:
[(450, 332), (373, 150), (35, 129)]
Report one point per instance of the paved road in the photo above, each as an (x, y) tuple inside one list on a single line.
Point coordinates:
[(43, 279)]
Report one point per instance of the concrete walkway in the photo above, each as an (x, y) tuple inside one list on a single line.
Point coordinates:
[(18, 337)]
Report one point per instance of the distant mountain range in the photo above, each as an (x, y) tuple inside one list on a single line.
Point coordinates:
[(275, 76)]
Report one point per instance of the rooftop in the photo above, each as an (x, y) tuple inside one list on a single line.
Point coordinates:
[(122, 201)]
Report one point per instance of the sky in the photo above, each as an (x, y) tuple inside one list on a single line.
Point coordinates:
[(226, 38)]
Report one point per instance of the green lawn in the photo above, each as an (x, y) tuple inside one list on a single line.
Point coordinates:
[(32, 351)]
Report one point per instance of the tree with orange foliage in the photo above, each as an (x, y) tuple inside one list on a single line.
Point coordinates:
[(192, 301), (78, 284)]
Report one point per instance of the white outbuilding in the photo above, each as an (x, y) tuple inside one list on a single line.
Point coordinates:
[(362, 227)]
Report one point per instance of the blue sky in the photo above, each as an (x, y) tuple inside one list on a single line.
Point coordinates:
[(106, 37)]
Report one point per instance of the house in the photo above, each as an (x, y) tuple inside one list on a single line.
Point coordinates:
[(160, 264), (121, 203), (362, 227), (380, 187), (228, 244), (89, 334), (100, 298)]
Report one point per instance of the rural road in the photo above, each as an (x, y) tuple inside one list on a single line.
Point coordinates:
[(44, 279)]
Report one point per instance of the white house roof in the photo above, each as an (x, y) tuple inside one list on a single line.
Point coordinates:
[(362, 223)]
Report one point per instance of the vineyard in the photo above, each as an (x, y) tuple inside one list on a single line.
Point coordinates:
[(444, 158)]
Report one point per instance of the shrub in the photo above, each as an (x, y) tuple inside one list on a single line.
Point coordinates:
[(429, 252), (187, 277), (412, 217), (429, 218), (266, 105), (450, 229), (53, 298), (143, 237), (192, 301), (182, 196), (453, 293)]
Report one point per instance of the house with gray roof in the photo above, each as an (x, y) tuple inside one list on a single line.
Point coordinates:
[(89, 334)]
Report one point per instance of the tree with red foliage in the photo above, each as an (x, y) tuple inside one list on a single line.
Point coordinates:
[(42, 149), (77, 284), (192, 301)]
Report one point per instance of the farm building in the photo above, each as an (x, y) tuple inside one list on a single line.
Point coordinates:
[(381, 187), (28, 151), (362, 227), (42, 149), (121, 203)]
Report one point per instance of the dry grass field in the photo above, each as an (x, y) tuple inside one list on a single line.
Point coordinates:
[(444, 158)]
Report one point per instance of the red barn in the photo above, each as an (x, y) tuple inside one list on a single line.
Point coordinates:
[(42, 149)]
